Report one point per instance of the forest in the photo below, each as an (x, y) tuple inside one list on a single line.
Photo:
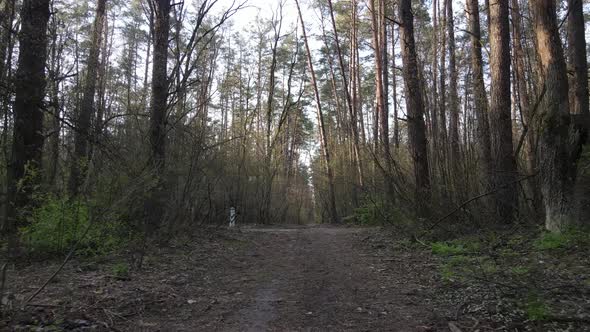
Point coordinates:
[(432, 150)]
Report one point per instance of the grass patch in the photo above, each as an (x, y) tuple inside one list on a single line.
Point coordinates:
[(552, 241), (120, 271), (520, 270), (565, 240), (454, 267), (456, 247), (447, 249), (489, 267), (536, 309)]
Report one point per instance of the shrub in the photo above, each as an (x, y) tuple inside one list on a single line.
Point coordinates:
[(368, 214), (58, 223), (373, 211)]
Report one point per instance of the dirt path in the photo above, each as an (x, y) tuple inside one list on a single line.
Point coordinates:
[(258, 279), (318, 279)]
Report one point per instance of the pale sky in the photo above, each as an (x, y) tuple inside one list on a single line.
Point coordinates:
[(265, 9)]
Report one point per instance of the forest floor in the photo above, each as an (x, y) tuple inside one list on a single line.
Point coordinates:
[(314, 278)]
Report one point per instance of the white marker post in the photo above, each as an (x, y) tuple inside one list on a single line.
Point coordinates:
[(232, 216)]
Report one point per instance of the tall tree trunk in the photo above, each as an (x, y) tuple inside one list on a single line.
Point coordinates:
[(80, 158), (158, 110), (6, 52), (322, 129), (394, 88), (435, 98), (524, 102), (356, 74), (415, 109), (443, 77), (480, 98), (578, 93), (504, 163), (381, 125), (453, 93), (557, 170), (349, 99), (27, 145), (384, 121), (55, 52), (6, 18)]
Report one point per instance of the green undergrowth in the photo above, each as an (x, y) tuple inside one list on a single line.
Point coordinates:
[(57, 224), (455, 247), (535, 308), (374, 211), (528, 268), (120, 271), (569, 239)]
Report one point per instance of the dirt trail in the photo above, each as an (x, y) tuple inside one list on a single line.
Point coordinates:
[(256, 279), (323, 278)]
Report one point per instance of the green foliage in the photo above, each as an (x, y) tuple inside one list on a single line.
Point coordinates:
[(56, 224), (488, 266), (565, 240), (447, 273), (455, 247), (550, 241), (369, 214), (373, 211), (520, 270), (536, 309), (454, 267), (120, 271), (447, 249)]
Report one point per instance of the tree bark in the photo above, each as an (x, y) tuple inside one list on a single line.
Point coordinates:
[(479, 95), (394, 89), (578, 93), (27, 145), (376, 31), (384, 120), (557, 171), (415, 109), (158, 110), (453, 93), (55, 53), (503, 161), (443, 78), (435, 98), (80, 158)]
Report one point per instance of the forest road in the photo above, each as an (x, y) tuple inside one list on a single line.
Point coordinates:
[(321, 279), (289, 278)]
